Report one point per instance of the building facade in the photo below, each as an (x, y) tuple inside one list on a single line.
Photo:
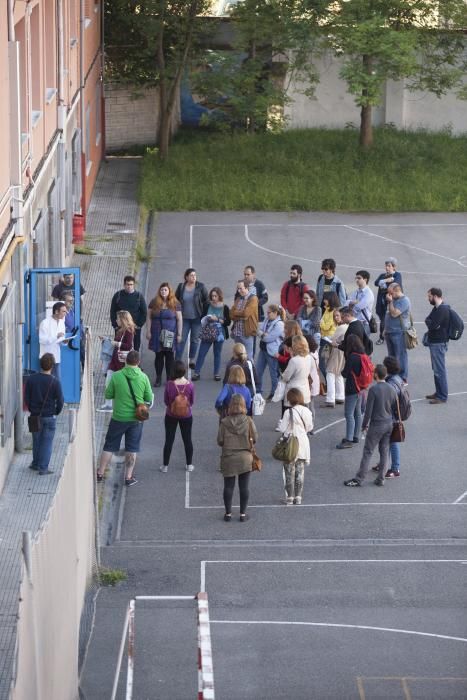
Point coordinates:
[(51, 144)]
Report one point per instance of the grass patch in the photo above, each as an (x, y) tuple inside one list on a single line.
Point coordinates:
[(84, 250), (309, 170), (110, 577)]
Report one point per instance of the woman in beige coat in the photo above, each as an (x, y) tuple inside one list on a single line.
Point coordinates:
[(297, 421), (237, 433), (297, 374), (335, 365)]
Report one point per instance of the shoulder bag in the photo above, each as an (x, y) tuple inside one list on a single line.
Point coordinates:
[(371, 322), (141, 409), (398, 430), (257, 462), (35, 422), (410, 334), (286, 448), (258, 403)]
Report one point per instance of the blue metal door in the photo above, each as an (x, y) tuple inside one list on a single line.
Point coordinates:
[(39, 283)]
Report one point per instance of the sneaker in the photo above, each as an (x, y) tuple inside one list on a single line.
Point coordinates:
[(287, 501), (45, 472), (105, 408), (356, 440), (158, 381), (192, 364), (379, 482), (352, 482), (99, 478), (217, 377), (297, 501), (340, 401), (195, 376), (328, 404), (436, 400), (430, 396), (277, 429), (375, 469), (344, 444), (190, 467), (164, 469), (390, 474), (380, 341), (130, 482), (33, 467)]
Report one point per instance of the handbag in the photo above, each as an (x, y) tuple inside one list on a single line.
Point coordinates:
[(257, 462), (398, 429), (322, 385), (286, 447), (35, 422), (279, 394), (258, 402), (166, 339), (410, 335), (141, 409), (372, 323)]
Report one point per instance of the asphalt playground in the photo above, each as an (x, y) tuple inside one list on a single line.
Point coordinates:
[(358, 593)]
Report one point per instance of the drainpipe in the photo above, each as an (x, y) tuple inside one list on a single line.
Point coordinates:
[(61, 119), (82, 111), (102, 79)]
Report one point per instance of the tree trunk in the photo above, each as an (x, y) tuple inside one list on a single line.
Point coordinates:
[(366, 127)]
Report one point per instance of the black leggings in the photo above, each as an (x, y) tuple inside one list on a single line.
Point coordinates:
[(162, 356), (229, 485), (170, 430)]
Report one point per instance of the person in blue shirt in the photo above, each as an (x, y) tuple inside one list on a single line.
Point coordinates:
[(362, 299), (235, 385)]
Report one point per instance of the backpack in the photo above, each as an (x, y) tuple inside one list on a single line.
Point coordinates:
[(180, 406), (456, 325), (365, 376), (405, 406)]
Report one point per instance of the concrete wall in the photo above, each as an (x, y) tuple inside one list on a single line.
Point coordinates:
[(131, 121), (333, 107)]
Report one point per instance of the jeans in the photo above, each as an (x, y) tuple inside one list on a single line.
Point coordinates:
[(42, 443), (335, 387), (247, 341), (396, 348), (322, 357), (229, 485), (265, 360), (203, 351), (438, 363), (170, 429), (191, 326), (378, 435), (395, 452), (353, 416)]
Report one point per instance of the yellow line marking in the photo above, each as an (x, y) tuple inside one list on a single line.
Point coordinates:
[(361, 691), (406, 689)]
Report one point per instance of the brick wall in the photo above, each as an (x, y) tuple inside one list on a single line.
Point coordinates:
[(131, 121)]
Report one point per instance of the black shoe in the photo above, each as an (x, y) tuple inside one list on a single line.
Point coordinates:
[(228, 517), (344, 444), (355, 440), (379, 482), (44, 473), (33, 467), (130, 482), (158, 381), (380, 341), (269, 398), (243, 517), (352, 482), (192, 364), (99, 478), (195, 376)]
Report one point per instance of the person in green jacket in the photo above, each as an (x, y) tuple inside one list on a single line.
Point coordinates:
[(123, 421)]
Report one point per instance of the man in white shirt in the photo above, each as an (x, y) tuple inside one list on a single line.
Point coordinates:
[(52, 335), (362, 299)]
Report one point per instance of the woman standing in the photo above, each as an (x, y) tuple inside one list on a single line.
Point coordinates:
[(353, 396), (271, 334), (309, 315), (291, 329), (214, 331), (314, 374), (240, 358), (297, 374), (123, 343), (237, 434), (396, 381), (164, 326), (297, 421), (193, 297), (327, 328), (235, 385), (179, 396), (335, 364)]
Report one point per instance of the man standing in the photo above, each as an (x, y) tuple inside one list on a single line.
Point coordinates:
[(123, 421), (437, 338), (249, 275), (292, 291), (362, 299), (128, 299), (396, 322), (355, 327), (44, 398), (52, 335), (66, 284), (382, 283), (378, 418), (244, 315), (329, 282)]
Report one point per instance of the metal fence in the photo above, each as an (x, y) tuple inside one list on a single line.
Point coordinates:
[(8, 363)]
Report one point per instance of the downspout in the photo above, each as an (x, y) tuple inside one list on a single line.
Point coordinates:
[(102, 79), (81, 110), (61, 119)]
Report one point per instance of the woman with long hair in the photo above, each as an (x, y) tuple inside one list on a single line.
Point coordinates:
[(164, 329), (237, 434), (291, 329), (123, 342), (297, 421), (335, 390), (327, 328), (214, 330), (235, 385), (240, 358), (271, 333), (298, 372), (309, 315), (353, 395), (179, 396)]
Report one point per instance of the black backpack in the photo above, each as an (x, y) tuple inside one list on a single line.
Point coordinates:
[(456, 325)]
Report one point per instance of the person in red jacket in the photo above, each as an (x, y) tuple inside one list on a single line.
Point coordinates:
[(292, 291)]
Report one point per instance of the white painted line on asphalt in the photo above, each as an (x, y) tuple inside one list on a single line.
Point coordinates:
[(204, 563), (190, 251), (406, 245), (340, 264), (187, 489), (461, 498), (334, 505), (340, 626)]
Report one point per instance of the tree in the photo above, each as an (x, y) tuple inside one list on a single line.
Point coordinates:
[(151, 43), (382, 40)]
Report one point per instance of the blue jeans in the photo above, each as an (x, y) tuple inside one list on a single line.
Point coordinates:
[(191, 326), (396, 348), (265, 360), (353, 416), (203, 351), (247, 341), (438, 363), (42, 443), (395, 450)]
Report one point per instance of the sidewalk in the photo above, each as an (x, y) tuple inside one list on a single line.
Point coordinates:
[(112, 229)]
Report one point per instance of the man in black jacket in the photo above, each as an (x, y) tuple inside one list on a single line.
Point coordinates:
[(357, 328), (128, 299), (44, 398), (437, 339), (249, 275)]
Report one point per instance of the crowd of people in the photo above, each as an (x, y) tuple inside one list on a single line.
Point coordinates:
[(314, 342)]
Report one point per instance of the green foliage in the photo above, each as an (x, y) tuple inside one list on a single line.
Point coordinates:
[(110, 577), (312, 170)]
